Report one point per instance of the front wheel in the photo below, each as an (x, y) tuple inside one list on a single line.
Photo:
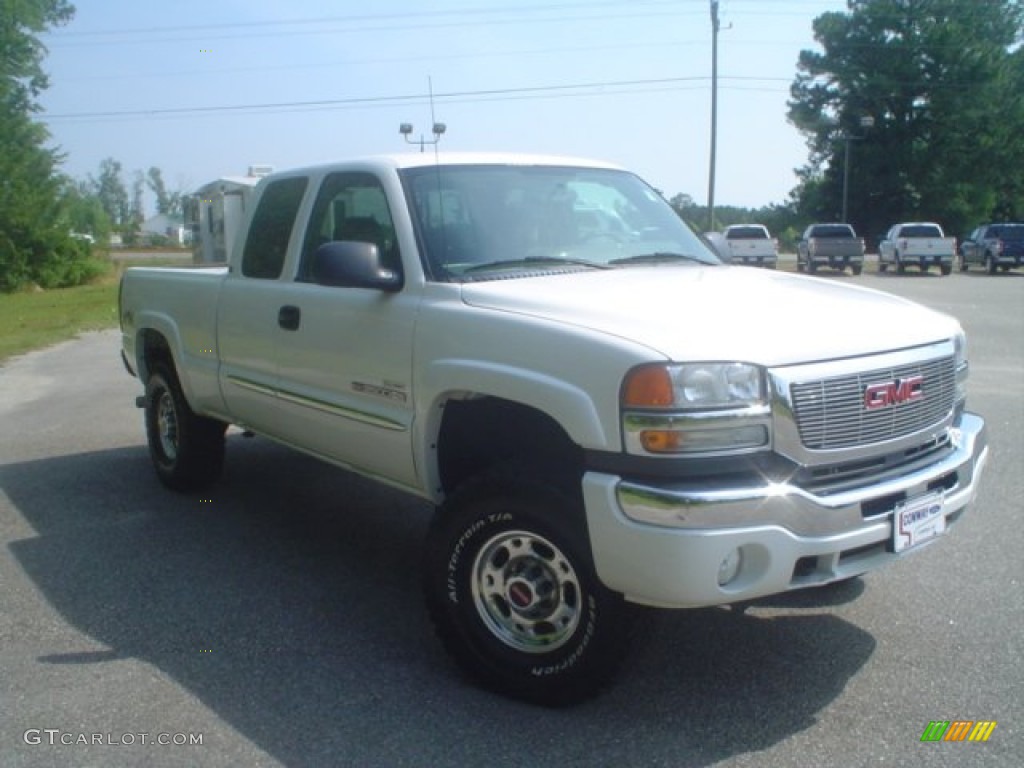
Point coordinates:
[(513, 594), (187, 450)]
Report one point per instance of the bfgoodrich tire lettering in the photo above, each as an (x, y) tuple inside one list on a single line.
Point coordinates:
[(187, 450), (512, 591)]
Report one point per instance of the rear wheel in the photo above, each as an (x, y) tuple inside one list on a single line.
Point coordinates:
[(945, 269), (187, 450), (856, 268), (513, 593)]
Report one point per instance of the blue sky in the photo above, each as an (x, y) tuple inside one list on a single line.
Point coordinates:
[(185, 85)]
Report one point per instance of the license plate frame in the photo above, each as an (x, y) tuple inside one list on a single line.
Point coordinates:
[(918, 520)]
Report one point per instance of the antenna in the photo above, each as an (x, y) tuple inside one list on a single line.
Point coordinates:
[(439, 128)]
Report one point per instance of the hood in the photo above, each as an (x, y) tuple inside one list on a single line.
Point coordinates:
[(687, 312)]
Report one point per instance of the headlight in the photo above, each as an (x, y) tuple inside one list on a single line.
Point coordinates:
[(697, 386), (704, 409)]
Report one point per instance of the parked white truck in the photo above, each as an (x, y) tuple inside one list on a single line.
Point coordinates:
[(751, 244), (920, 244), (545, 351)]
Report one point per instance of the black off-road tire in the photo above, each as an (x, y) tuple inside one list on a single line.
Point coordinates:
[(187, 450), (511, 589)]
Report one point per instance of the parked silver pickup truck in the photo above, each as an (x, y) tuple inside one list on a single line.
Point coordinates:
[(920, 244), (830, 245), (542, 349)]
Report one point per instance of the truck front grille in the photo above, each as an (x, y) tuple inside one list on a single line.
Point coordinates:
[(831, 413)]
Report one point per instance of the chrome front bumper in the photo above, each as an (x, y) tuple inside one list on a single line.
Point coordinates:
[(663, 544)]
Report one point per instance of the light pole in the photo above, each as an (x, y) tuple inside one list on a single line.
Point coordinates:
[(406, 130), (865, 122), (715, 26)]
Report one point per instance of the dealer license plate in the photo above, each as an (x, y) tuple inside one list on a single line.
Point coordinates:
[(917, 520)]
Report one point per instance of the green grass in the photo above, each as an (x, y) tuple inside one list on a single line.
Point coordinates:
[(32, 320)]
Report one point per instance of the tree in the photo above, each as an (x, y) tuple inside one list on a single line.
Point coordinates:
[(944, 90), (83, 212), (34, 245), (166, 202), (109, 188)]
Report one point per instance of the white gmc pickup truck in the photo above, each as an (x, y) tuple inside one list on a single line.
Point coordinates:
[(545, 351)]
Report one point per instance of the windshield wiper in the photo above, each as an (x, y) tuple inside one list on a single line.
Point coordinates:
[(533, 261), (659, 257)]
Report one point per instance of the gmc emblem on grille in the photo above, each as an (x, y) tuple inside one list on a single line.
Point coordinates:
[(887, 393)]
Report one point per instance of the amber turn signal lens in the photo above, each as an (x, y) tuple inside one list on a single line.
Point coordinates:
[(661, 441), (649, 387)]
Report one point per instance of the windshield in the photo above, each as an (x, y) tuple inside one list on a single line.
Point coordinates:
[(483, 222)]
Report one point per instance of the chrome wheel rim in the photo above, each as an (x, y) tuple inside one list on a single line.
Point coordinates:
[(526, 591), (167, 425)]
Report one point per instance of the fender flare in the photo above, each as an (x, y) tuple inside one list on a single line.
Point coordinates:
[(164, 326), (568, 405)]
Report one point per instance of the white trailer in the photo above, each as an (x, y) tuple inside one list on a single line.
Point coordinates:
[(214, 214)]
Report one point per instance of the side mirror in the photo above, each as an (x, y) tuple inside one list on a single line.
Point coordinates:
[(348, 264)]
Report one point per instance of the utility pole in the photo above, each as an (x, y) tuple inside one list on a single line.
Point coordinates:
[(865, 122), (714, 113)]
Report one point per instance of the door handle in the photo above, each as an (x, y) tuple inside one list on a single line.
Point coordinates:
[(289, 317)]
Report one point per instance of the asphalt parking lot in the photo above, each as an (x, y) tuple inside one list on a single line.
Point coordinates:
[(278, 620)]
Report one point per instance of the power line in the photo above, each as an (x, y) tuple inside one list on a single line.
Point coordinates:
[(368, 100), (363, 23)]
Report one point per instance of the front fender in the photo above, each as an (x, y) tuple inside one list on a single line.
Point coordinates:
[(567, 404)]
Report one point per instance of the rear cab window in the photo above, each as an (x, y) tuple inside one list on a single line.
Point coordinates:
[(266, 244), (833, 231), (746, 233), (920, 230)]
